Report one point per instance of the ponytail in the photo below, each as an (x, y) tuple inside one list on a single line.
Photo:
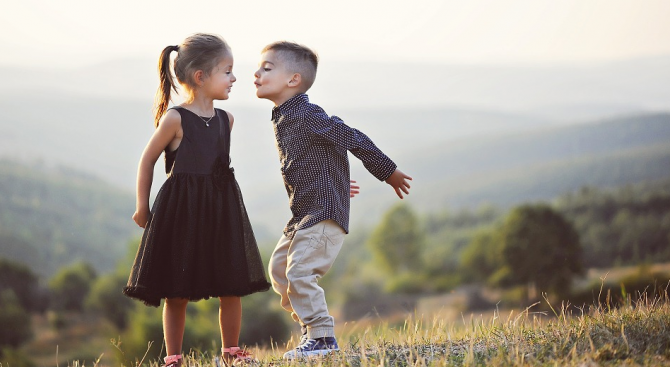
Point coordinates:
[(166, 83), (200, 51)]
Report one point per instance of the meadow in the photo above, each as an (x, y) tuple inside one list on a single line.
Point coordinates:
[(636, 333)]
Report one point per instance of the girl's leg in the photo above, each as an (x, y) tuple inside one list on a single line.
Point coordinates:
[(174, 319), (230, 321)]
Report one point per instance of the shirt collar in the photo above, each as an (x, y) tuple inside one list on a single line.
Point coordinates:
[(289, 105)]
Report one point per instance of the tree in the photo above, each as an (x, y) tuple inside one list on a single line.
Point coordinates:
[(16, 326), (23, 282), (106, 297), (482, 256), (70, 286), (397, 242), (540, 248)]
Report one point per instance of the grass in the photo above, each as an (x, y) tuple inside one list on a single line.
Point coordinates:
[(634, 334), (83, 339)]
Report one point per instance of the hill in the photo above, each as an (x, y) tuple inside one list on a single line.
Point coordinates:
[(53, 216), (506, 169), (459, 157)]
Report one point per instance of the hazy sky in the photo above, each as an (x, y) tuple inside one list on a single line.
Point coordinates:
[(75, 33)]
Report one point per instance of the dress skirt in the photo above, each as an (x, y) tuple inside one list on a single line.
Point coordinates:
[(198, 243)]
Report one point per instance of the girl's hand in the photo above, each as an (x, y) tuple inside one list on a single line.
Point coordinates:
[(141, 217), (398, 181), (353, 189)]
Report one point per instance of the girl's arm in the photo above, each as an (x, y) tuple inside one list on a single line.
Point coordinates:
[(231, 119), (167, 133)]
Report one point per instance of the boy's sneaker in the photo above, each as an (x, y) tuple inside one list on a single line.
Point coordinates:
[(313, 348), (303, 337)]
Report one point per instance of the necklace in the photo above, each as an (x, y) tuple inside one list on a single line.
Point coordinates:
[(207, 120)]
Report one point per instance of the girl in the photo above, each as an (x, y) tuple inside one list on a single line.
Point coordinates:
[(197, 241)]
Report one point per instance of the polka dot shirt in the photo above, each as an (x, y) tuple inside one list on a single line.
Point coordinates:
[(314, 163)]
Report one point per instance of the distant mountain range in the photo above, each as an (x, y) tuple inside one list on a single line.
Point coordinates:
[(561, 92), (469, 135), (53, 215), (540, 164)]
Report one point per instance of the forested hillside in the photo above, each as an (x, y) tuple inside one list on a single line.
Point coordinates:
[(506, 169), (54, 216), (51, 217)]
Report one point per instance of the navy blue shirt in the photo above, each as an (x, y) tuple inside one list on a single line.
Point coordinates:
[(314, 163)]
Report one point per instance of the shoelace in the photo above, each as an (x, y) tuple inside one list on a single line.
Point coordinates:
[(307, 345)]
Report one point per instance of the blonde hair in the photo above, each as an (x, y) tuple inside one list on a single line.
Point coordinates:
[(200, 51), (298, 58)]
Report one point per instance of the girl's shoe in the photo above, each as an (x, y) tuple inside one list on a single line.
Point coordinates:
[(236, 357), (173, 361)]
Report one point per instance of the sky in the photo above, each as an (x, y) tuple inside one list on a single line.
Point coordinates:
[(73, 33)]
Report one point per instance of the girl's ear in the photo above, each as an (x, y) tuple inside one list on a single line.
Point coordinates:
[(199, 77), (295, 80)]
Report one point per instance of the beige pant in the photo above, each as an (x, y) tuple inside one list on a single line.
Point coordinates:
[(296, 266)]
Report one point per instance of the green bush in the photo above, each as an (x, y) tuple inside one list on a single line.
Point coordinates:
[(70, 287), (16, 323)]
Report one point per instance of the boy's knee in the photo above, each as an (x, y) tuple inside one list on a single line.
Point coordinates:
[(276, 268), (296, 277)]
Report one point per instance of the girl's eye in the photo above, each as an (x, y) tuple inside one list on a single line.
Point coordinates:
[(266, 69)]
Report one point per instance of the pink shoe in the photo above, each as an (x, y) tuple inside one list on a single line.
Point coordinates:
[(238, 356), (173, 361)]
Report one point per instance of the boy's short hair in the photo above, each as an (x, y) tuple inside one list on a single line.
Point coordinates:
[(298, 58)]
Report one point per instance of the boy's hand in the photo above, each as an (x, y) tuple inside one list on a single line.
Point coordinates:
[(353, 189), (398, 181)]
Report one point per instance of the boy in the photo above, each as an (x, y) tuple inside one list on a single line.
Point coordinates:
[(315, 167)]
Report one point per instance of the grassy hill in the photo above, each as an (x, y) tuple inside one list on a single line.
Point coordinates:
[(50, 217), (633, 335)]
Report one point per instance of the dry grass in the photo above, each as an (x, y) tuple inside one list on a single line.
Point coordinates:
[(636, 334)]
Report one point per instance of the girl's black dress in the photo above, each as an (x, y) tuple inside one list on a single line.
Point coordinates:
[(198, 242)]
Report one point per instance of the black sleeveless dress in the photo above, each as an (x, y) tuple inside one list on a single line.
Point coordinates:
[(198, 242)]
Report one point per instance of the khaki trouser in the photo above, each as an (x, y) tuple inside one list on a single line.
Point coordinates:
[(295, 268)]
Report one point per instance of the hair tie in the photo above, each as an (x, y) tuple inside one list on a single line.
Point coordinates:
[(176, 48)]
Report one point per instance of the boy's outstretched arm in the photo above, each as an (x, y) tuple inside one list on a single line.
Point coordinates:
[(398, 181)]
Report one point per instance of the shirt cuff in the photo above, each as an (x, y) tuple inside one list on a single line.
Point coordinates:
[(384, 170)]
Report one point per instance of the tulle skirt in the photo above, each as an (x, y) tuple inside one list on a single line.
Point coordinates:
[(197, 244)]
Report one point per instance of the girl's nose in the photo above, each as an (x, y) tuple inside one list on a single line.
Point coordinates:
[(257, 74)]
